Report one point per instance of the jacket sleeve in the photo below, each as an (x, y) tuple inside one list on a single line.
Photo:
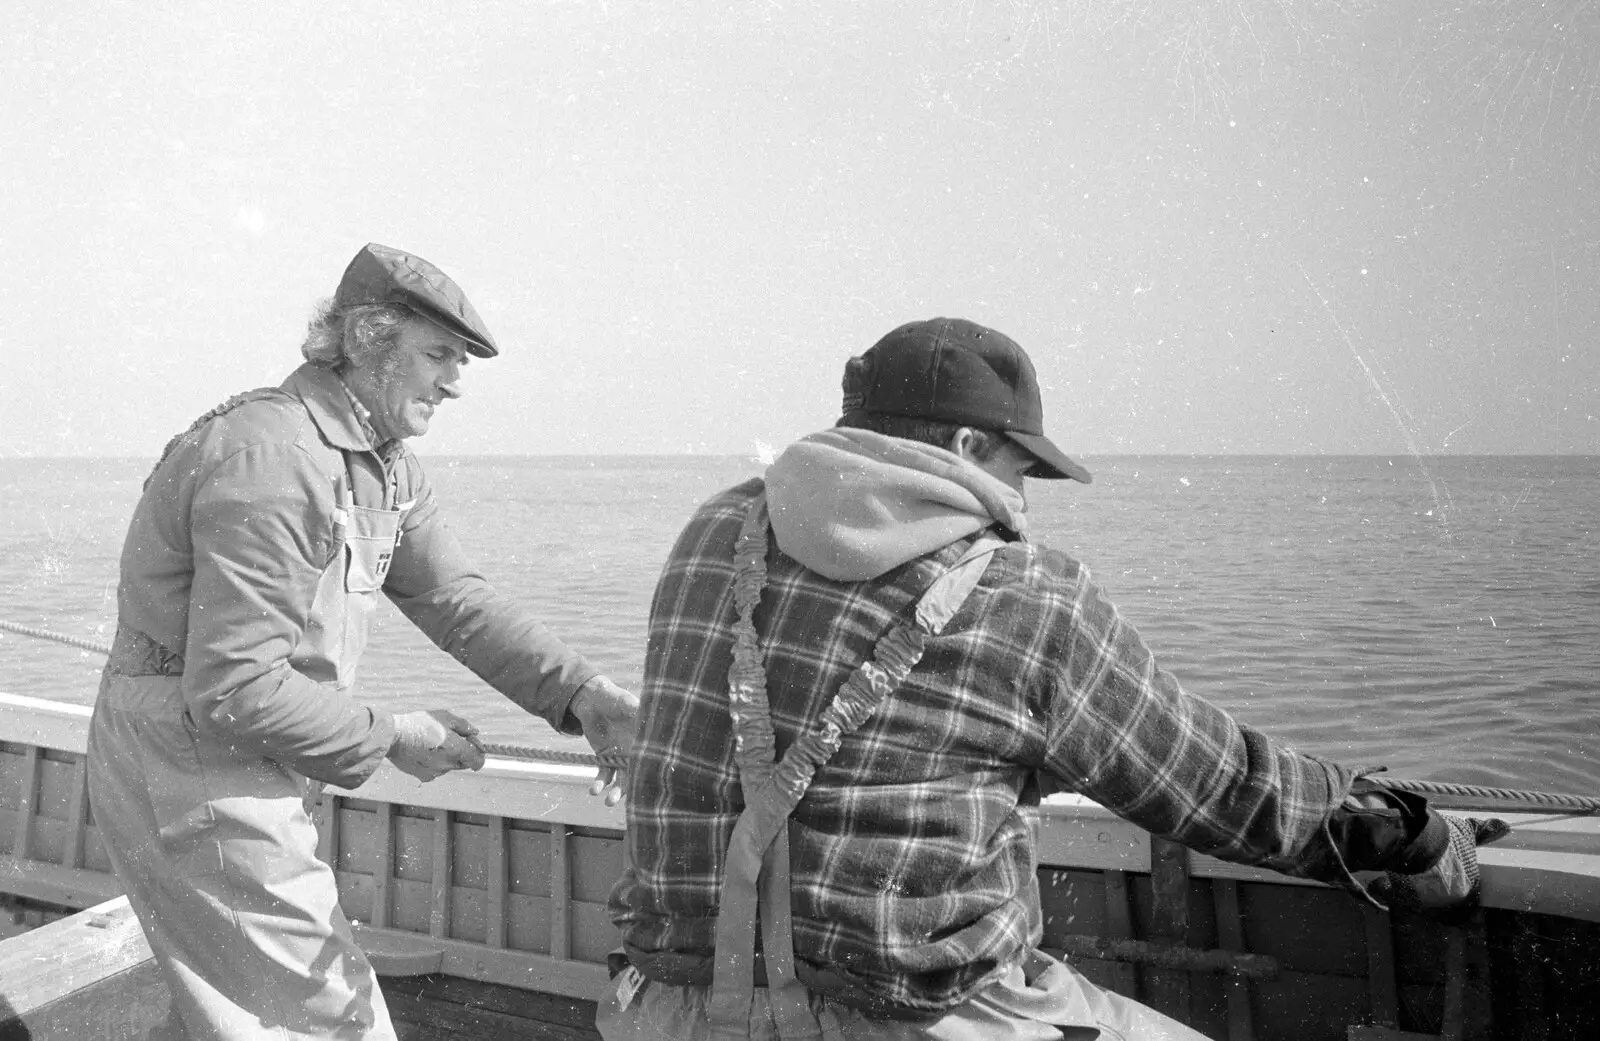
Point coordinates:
[(434, 584), (261, 529), (1125, 733)]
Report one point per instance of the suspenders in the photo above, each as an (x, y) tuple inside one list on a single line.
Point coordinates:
[(756, 872)]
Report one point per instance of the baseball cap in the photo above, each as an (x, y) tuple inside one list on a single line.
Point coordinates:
[(385, 275), (954, 371)]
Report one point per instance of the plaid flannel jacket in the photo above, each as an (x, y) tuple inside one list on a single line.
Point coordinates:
[(913, 867)]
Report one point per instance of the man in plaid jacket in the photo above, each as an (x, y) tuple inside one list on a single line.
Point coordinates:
[(894, 861)]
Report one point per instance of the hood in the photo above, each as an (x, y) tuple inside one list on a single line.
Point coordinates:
[(852, 505)]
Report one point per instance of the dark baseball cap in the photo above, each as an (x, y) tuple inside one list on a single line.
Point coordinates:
[(954, 371), (384, 275)]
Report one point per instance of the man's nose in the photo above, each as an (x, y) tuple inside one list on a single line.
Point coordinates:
[(450, 386)]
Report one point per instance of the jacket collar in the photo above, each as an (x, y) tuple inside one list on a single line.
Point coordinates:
[(330, 406)]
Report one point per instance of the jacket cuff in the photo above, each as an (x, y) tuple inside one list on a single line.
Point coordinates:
[(563, 719), (380, 738)]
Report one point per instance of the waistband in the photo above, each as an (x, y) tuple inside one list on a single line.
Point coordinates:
[(135, 654)]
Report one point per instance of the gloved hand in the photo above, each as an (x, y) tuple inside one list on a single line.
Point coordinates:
[(1453, 880), (607, 714), (430, 744)]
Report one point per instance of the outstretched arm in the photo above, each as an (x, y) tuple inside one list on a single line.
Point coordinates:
[(500, 640), (1125, 733)]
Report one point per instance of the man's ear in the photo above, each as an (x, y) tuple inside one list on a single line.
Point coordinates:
[(961, 442)]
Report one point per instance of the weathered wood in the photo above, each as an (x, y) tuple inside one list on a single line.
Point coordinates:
[(54, 884), (1230, 937), (383, 875), (1167, 956), (1381, 984), (1119, 926), (77, 819), (498, 882), (22, 836), (421, 1015), (1528, 956), (560, 892), (1453, 1027), (90, 975), (575, 1013), (443, 853), (393, 952), (1168, 989)]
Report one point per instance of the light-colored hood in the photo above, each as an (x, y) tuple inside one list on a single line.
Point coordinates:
[(851, 504)]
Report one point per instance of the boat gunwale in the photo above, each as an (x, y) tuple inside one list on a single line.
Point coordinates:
[(1549, 864)]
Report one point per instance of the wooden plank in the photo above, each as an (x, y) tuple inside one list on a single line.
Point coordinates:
[(1381, 985), (419, 1018), (1453, 1026), (395, 952), (127, 1004), (1478, 1004), (524, 969), (497, 882), (54, 884), (1529, 955), (1090, 838), (22, 838), (1119, 926), (383, 874), (443, 852), (1230, 937), (1169, 990), (560, 892), (552, 1009), (77, 821), (66, 957)]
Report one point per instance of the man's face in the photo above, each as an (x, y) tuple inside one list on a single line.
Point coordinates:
[(404, 385)]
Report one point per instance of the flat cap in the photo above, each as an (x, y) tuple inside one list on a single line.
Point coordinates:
[(385, 275)]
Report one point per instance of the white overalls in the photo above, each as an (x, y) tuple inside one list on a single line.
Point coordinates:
[(214, 843)]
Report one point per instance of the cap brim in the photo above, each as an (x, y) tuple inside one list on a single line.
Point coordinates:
[(474, 342), (1053, 462)]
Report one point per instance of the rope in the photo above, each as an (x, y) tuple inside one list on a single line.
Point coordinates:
[(45, 634), (553, 755), (1474, 796), (1462, 796)]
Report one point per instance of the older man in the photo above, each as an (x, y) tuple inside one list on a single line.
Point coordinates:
[(873, 611), (253, 561)]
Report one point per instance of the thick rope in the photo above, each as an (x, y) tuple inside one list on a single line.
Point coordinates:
[(1474, 796), (45, 634), (1462, 796)]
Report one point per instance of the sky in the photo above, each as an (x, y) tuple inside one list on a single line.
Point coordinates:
[(1252, 226)]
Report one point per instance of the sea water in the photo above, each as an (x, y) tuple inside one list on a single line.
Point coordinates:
[(1439, 615)]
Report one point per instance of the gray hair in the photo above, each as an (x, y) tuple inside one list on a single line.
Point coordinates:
[(339, 338)]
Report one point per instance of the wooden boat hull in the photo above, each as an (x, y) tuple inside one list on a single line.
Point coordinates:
[(481, 899)]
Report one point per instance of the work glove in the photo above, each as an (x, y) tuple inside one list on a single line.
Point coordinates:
[(607, 713), (430, 744), (1453, 879)]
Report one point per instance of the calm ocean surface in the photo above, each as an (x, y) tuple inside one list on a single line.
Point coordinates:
[(1441, 615)]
